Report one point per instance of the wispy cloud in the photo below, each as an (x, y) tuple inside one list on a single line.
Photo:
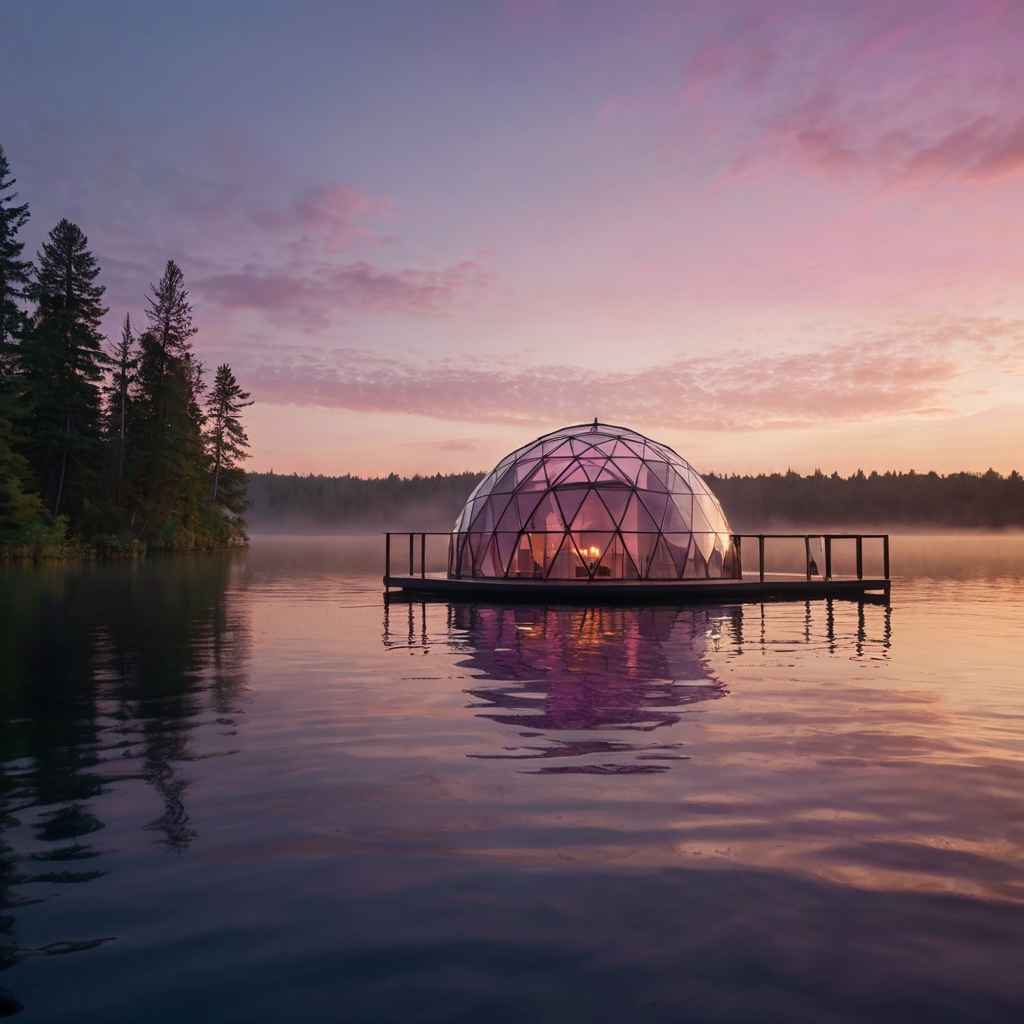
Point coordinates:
[(909, 98), (907, 370), (324, 216), (311, 294)]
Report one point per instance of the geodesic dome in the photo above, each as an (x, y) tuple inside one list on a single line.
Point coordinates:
[(593, 502)]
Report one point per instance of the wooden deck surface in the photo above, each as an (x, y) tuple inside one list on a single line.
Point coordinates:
[(638, 591)]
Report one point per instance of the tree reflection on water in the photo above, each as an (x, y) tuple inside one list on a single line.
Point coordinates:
[(108, 674)]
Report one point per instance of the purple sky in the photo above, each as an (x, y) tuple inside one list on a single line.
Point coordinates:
[(768, 234)]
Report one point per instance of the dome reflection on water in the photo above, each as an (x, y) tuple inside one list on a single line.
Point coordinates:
[(607, 670)]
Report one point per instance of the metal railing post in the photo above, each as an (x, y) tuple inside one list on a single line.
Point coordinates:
[(423, 556), (828, 558), (738, 541), (860, 557), (412, 568), (807, 556), (760, 553), (387, 560), (885, 555)]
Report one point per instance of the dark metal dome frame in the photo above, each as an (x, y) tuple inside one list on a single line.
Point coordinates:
[(592, 502)]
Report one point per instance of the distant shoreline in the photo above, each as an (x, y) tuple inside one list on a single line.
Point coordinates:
[(893, 502)]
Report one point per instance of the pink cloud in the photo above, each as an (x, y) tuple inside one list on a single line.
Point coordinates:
[(317, 291), (907, 371), (326, 214), (976, 149), (909, 99)]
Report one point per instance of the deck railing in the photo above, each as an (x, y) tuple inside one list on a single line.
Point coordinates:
[(810, 565)]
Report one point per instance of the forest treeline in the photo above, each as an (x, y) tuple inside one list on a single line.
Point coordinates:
[(348, 504), (110, 446), (886, 500)]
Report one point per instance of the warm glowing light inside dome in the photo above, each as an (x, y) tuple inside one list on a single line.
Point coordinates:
[(593, 502)]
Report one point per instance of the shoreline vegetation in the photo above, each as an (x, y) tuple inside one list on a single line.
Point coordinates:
[(773, 502), (107, 449)]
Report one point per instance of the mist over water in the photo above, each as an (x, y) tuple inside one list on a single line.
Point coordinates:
[(240, 785)]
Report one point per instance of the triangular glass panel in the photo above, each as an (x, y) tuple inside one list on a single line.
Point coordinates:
[(593, 465), (655, 502), (615, 499), (507, 544), (570, 499), (506, 483), (660, 565), (698, 521), (679, 549), (696, 566), (556, 559), (525, 468), (546, 516), (509, 521), (677, 514), (613, 560), (629, 468), (717, 559), (635, 544), (637, 519), (483, 521), (610, 474), (677, 484), (526, 502), (575, 474), (631, 447), (592, 515), (652, 476), (591, 546), (554, 445), (556, 467)]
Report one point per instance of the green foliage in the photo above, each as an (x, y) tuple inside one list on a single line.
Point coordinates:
[(229, 445), (751, 503), (24, 522), (15, 273), (171, 459), (62, 362), (107, 453), (960, 500), (351, 504)]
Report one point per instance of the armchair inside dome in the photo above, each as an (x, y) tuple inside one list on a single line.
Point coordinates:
[(593, 502)]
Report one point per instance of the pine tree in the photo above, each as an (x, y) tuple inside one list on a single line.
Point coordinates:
[(170, 319), (15, 273), (19, 508), (124, 361), (168, 462), (228, 441), (62, 358)]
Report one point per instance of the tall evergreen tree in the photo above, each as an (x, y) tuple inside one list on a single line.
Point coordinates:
[(170, 320), (169, 461), (124, 361), (228, 441), (63, 359), (15, 273), (19, 507)]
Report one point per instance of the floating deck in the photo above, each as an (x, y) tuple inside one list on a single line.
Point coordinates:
[(637, 591)]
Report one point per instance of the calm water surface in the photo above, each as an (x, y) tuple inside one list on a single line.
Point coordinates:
[(239, 788)]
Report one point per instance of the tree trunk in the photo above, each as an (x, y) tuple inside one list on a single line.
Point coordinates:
[(63, 465)]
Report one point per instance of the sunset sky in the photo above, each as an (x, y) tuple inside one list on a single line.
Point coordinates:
[(769, 234)]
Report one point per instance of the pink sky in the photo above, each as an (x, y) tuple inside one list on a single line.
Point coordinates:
[(770, 235)]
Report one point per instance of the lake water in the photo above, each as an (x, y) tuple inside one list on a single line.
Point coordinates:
[(239, 787)]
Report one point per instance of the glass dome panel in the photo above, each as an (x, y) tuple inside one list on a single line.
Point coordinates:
[(593, 502)]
